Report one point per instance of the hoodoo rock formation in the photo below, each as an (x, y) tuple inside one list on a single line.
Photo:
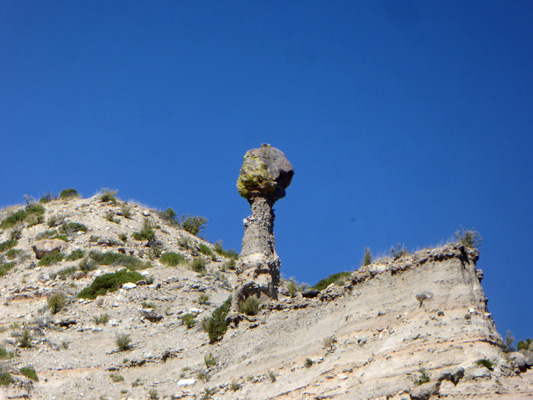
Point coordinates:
[(264, 176)]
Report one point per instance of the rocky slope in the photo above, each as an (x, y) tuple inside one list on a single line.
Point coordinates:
[(420, 317)]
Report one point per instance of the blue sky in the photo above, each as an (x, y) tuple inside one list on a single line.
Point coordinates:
[(404, 120)]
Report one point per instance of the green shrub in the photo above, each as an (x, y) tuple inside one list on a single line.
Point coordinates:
[(485, 363), (172, 259), (5, 355), (198, 265), (51, 259), (367, 257), (234, 386), (509, 340), (146, 233), (189, 320), (250, 306), (112, 258), (338, 278), (68, 194), (70, 228), (153, 395), (116, 378), (110, 216), (8, 244), (56, 302), (169, 215), (423, 378), (87, 265), (272, 376), (232, 254), (6, 267), (217, 325), (193, 225), (68, 271), (76, 255), (229, 265), (14, 219), (101, 319), (292, 287), (469, 238), (397, 252), (13, 253), (308, 363), (108, 196), (15, 234), (30, 373), (109, 282), (203, 299), (210, 360), (123, 341), (47, 198), (524, 344), (5, 378), (25, 339), (205, 250), (146, 304)]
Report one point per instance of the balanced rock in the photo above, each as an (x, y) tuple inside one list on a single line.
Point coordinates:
[(265, 175)]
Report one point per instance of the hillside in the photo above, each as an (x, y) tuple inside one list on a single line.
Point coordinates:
[(419, 317)]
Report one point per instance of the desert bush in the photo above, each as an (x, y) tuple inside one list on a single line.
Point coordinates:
[(367, 257), (70, 228), (189, 320), (47, 198), (153, 395), (75, 255), (193, 225), (101, 319), (116, 378), (226, 253), (5, 378), (329, 342), (8, 244), (509, 340), (68, 194), (110, 216), (217, 325), (146, 233), (123, 341), (13, 253), (51, 259), (169, 215), (25, 339), (147, 304), (229, 265), (109, 282), (87, 265), (6, 267), (234, 386), (56, 302), (338, 278), (15, 234), (272, 376), (5, 355), (292, 287), (112, 258), (172, 259), (126, 211), (485, 363), (198, 265), (205, 250), (397, 252), (524, 344), (123, 237), (13, 219), (202, 375), (32, 213), (250, 306), (108, 196), (469, 238), (308, 363), (30, 373), (210, 360), (423, 378), (203, 299)]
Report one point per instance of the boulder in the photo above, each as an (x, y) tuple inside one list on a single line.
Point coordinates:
[(528, 357), (151, 315), (518, 360), (310, 293), (44, 247), (425, 391), (452, 375)]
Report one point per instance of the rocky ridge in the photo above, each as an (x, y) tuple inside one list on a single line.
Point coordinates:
[(391, 324)]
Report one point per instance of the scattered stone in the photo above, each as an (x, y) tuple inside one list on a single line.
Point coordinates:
[(186, 382), (129, 286), (425, 391)]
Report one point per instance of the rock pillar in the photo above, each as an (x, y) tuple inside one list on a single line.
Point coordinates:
[(264, 176)]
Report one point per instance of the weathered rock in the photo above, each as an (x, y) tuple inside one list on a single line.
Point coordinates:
[(528, 357), (129, 286), (518, 360), (425, 391), (452, 375), (151, 315), (44, 247), (310, 293), (264, 176)]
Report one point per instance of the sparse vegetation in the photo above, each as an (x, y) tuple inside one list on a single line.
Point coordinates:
[(109, 282), (75, 255), (108, 196), (172, 259), (8, 244), (146, 233), (206, 250), (112, 258), (367, 257), (329, 342), (5, 377), (232, 254), (234, 386), (169, 216), (210, 360), (292, 287), (193, 225), (57, 302), (469, 238), (6, 267), (250, 306), (25, 339), (189, 320), (110, 216), (153, 394), (70, 228), (30, 373), (101, 319), (423, 378), (123, 237), (147, 304), (485, 363), (202, 375), (524, 344), (198, 265), (272, 376), (136, 382), (51, 259), (32, 214), (509, 340), (203, 299), (116, 378), (338, 278), (4, 354), (217, 325), (123, 341), (308, 363), (398, 252), (47, 198)]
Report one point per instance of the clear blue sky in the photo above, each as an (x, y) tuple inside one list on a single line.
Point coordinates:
[(403, 120)]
